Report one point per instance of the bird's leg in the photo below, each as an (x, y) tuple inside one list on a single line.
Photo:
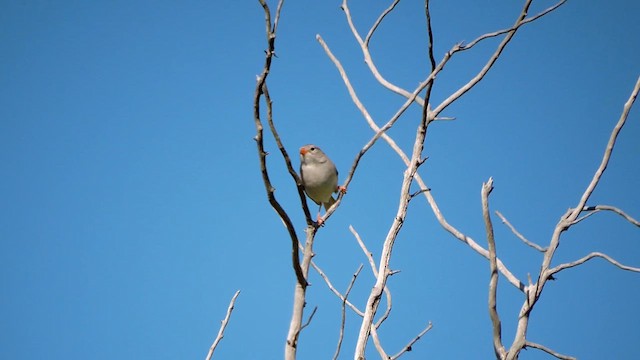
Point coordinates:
[(319, 218)]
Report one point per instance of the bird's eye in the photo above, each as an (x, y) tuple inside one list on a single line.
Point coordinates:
[(313, 148)]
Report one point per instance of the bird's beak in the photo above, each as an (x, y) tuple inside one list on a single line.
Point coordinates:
[(303, 151)]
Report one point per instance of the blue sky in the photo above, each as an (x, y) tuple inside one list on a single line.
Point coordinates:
[(133, 208)]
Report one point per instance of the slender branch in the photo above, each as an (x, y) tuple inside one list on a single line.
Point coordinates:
[(518, 234), (502, 32), (374, 26), (223, 326), (313, 312), (427, 12), (364, 46), (493, 265), (409, 346), (343, 311), (366, 251), (588, 257), (607, 152), (598, 208), (285, 156), (335, 291), (489, 64), (549, 351)]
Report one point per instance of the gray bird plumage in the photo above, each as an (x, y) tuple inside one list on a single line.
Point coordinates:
[(319, 175)]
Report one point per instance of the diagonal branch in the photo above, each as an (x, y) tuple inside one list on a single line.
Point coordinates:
[(518, 234), (408, 347), (223, 326), (607, 152), (334, 290), (492, 60), (549, 351)]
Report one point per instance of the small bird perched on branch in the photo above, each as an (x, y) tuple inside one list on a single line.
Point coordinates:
[(319, 176)]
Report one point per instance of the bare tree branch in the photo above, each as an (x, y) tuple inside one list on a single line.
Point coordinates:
[(427, 12), (378, 344), (607, 152), (374, 270), (518, 234), (549, 351), (299, 302), (315, 308), (493, 264), (588, 257), (343, 311), (334, 290), (492, 60), (262, 154), (408, 347), (366, 251), (502, 32), (568, 219), (223, 326), (596, 209)]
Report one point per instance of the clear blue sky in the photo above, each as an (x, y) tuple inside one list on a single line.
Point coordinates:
[(132, 206)]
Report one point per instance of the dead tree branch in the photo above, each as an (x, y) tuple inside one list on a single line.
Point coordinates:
[(408, 347), (223, 326), (534, 291), (493, 265), (344, 313), (518, 234), (549, 351)]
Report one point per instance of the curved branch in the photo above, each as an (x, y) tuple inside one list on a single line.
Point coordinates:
[(588, 257), (598, 208), (493, 265), (549, 351)]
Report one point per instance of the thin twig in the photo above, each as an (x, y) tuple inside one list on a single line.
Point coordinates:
[(223, 326), (334, 290), (409, 346), (502, 32), (309, 319), (427, 12), (518, 234), (366, 251), (492, 60), (549, 351), (344, 313)]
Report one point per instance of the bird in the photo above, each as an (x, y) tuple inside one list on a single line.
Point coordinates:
[(319, 176)]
